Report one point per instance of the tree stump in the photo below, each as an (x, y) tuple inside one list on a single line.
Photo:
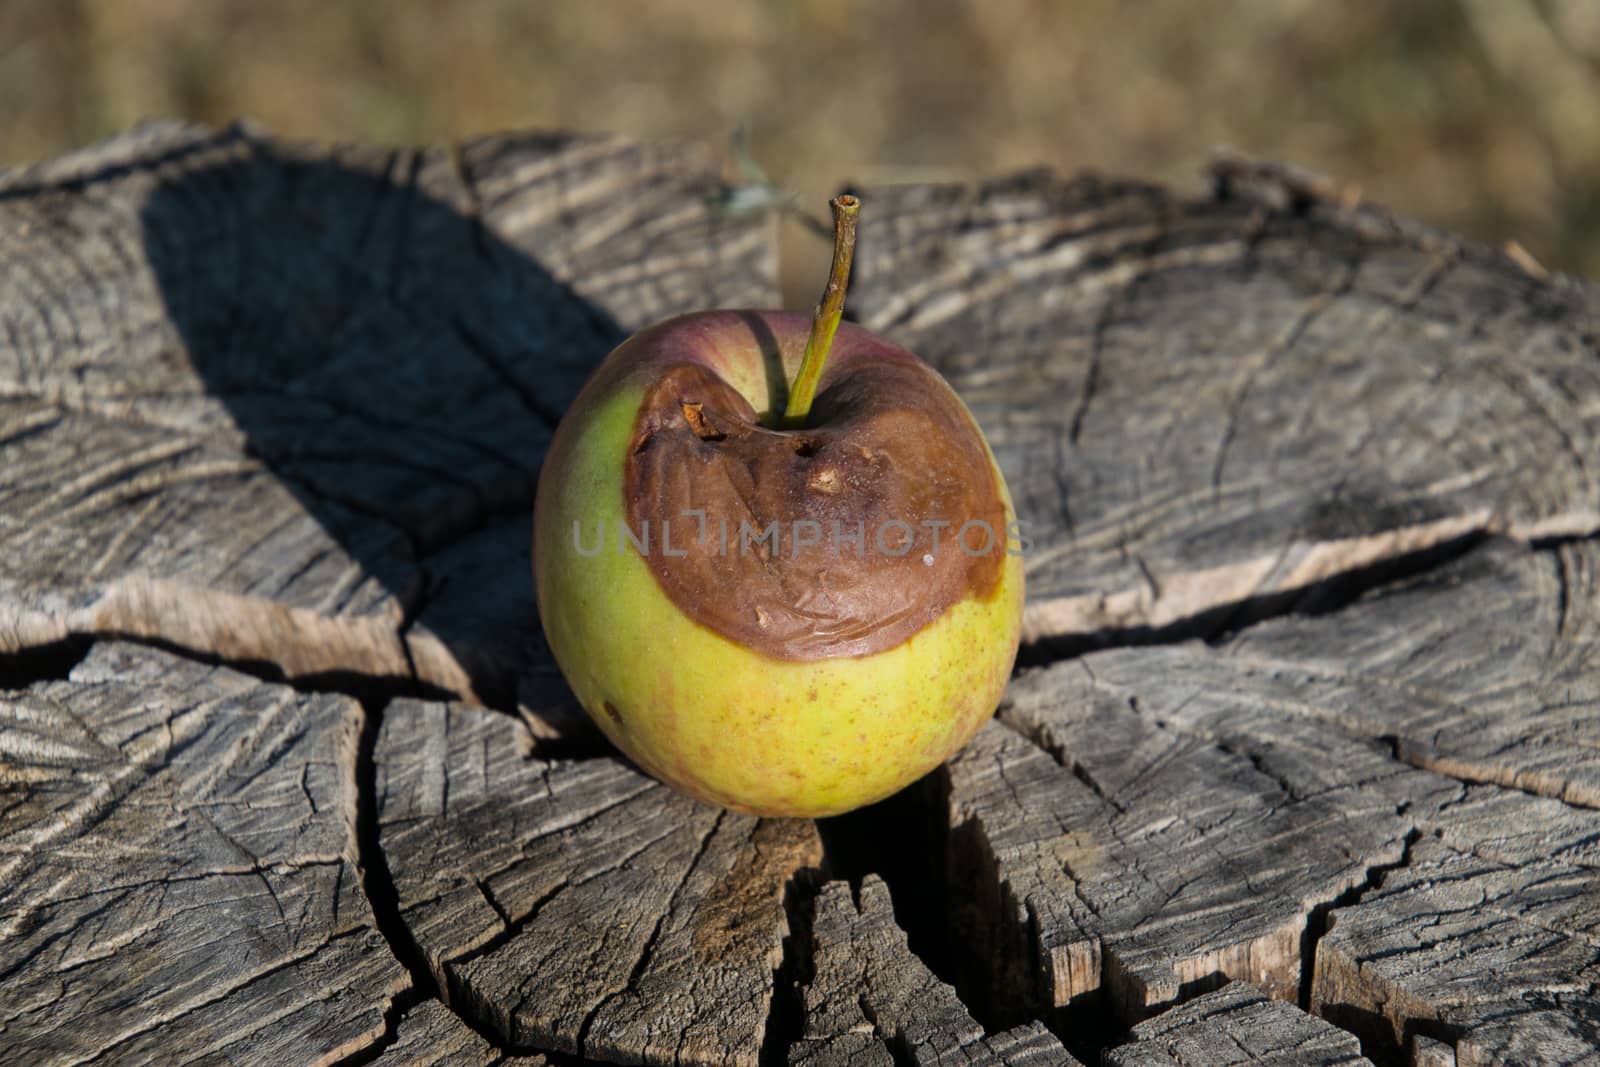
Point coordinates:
[(1300, 765)]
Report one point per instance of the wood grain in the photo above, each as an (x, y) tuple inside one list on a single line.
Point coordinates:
[(580, 906), (177, 870), (1237, 1026), (1152, 821), (871, 1001), (1199, 404), (248, 389), (431, 1035), (1308, 699), (1497, 956)]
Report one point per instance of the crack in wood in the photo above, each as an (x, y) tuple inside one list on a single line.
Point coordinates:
[(1181, 607), (645, 953), (795, 970), (376, 881), (384, 899), (1317, 918), (399, 1006), (1411, 435), (1204, 602), (198, 836), (1312, 936), (871, 1000), (41, 662)]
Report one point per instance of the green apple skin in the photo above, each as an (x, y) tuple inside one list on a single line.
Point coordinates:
[(708, 716)]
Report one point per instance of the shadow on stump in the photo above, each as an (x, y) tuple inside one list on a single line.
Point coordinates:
[(398, 366)]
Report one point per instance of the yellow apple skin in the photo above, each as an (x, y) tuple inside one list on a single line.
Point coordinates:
[(710, 717)]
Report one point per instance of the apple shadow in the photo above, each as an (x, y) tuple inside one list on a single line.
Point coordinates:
[(393, 362)]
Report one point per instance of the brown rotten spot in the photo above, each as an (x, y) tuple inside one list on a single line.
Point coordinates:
[(888, 449)]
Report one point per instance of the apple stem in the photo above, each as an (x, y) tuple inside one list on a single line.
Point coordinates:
[(825, 320)]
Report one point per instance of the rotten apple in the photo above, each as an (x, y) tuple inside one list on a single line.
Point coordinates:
[(784, 600)]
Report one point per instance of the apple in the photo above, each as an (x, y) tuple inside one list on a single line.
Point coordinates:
[(786, 601)]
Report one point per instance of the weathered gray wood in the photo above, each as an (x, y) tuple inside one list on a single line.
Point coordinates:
[(1453, 942), (1482, 670), (1201, 403), (1205, 408), (431, 1035), (1433, 664), (1568, 1036), (580, 906), (1236, 1026), (1152, 864), (1190, 810), (248, 389), (871, 1001), (1428, 1052), (177, 870), (282, 405)]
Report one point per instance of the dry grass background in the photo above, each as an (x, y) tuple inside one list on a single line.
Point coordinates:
[(1482, 116)]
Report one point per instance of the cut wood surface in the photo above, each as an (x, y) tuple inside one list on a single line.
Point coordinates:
[(1201, 404), (1233, 1027), (582, 906), (431, 1035), (1148, 819), (179, 878), (248, 390), (1299, 765), (870, 1000)]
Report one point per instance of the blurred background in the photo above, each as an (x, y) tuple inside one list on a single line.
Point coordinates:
[(1482, 116)]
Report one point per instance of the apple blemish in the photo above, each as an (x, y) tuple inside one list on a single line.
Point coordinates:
[(795, 584)]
